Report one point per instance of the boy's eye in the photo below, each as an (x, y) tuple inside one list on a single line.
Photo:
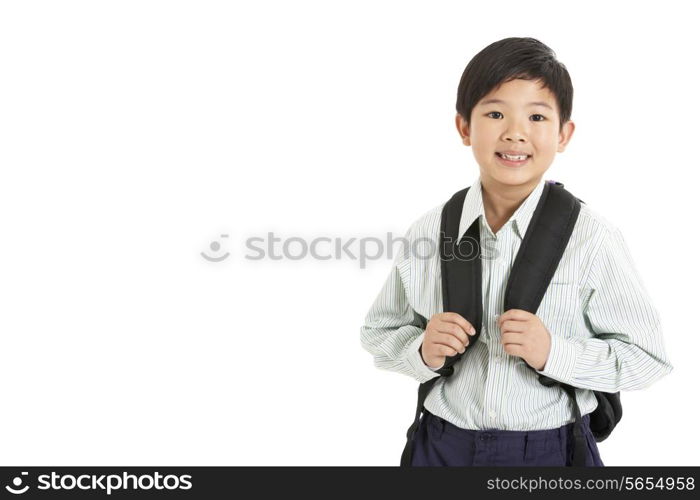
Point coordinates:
[(498, 112)]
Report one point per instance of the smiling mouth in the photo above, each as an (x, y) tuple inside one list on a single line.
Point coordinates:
[(513, 157), (512, 163)]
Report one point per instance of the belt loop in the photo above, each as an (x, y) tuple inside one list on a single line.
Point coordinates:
[(441, 426), (525, 447)]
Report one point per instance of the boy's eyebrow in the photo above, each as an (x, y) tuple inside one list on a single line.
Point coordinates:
[(499, 101)]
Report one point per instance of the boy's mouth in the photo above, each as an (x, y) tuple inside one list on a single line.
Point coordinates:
[(513, 159)]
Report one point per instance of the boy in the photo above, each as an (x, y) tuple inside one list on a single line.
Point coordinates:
[(596, 328)]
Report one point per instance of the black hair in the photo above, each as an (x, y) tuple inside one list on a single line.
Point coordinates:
[(508, 59)]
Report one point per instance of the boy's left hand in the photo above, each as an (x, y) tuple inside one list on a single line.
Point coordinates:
[(524, 335)]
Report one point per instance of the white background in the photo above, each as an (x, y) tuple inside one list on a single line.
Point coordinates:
[(135, 133)]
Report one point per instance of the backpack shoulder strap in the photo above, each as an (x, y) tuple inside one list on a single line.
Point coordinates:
[(460, 266), (542, 248)]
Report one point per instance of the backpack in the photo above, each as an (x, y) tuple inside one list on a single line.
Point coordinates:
[(535, 263)]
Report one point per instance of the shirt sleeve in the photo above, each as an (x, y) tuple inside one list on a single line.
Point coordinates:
[(393, 332), (627, 350)]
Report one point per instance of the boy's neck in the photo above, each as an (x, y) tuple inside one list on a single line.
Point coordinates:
[(500, 202)]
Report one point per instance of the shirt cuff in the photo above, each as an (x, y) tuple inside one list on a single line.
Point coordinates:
[(561, 363), (415, 361)]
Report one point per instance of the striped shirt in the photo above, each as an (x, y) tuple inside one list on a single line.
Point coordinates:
[(605, 332)]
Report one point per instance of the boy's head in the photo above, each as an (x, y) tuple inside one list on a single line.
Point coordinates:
[(532, 115)]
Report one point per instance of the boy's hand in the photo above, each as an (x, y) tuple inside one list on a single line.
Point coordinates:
[(524, 335), (446, 334)]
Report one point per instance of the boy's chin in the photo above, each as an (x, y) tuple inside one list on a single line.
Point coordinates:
[(512, 178)]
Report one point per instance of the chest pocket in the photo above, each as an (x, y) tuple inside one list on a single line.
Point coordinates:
[(561, 308)]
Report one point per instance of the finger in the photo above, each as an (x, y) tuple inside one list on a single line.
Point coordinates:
[(457, 318), (513, 314), (453, 329), (450, 341), (447, 340), (512, 326), (512, 338), (514, 350), (446, 350)]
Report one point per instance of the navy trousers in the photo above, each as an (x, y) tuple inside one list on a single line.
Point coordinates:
[(438, 442)]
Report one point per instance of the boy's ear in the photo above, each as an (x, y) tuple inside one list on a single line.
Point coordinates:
[(463, 129), (565, 135)]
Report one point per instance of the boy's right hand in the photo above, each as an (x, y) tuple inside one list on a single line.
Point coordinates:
[(446, 334)]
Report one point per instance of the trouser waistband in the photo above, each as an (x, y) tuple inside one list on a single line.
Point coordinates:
[(458, 432)]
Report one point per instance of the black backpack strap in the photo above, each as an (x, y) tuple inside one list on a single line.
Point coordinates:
[(460, 265), (540, 252), (541, 249)]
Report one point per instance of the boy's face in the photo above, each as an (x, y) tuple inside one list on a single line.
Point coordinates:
[(516, 125)]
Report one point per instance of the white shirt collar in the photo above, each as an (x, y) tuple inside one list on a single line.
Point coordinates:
[(474, 207)]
